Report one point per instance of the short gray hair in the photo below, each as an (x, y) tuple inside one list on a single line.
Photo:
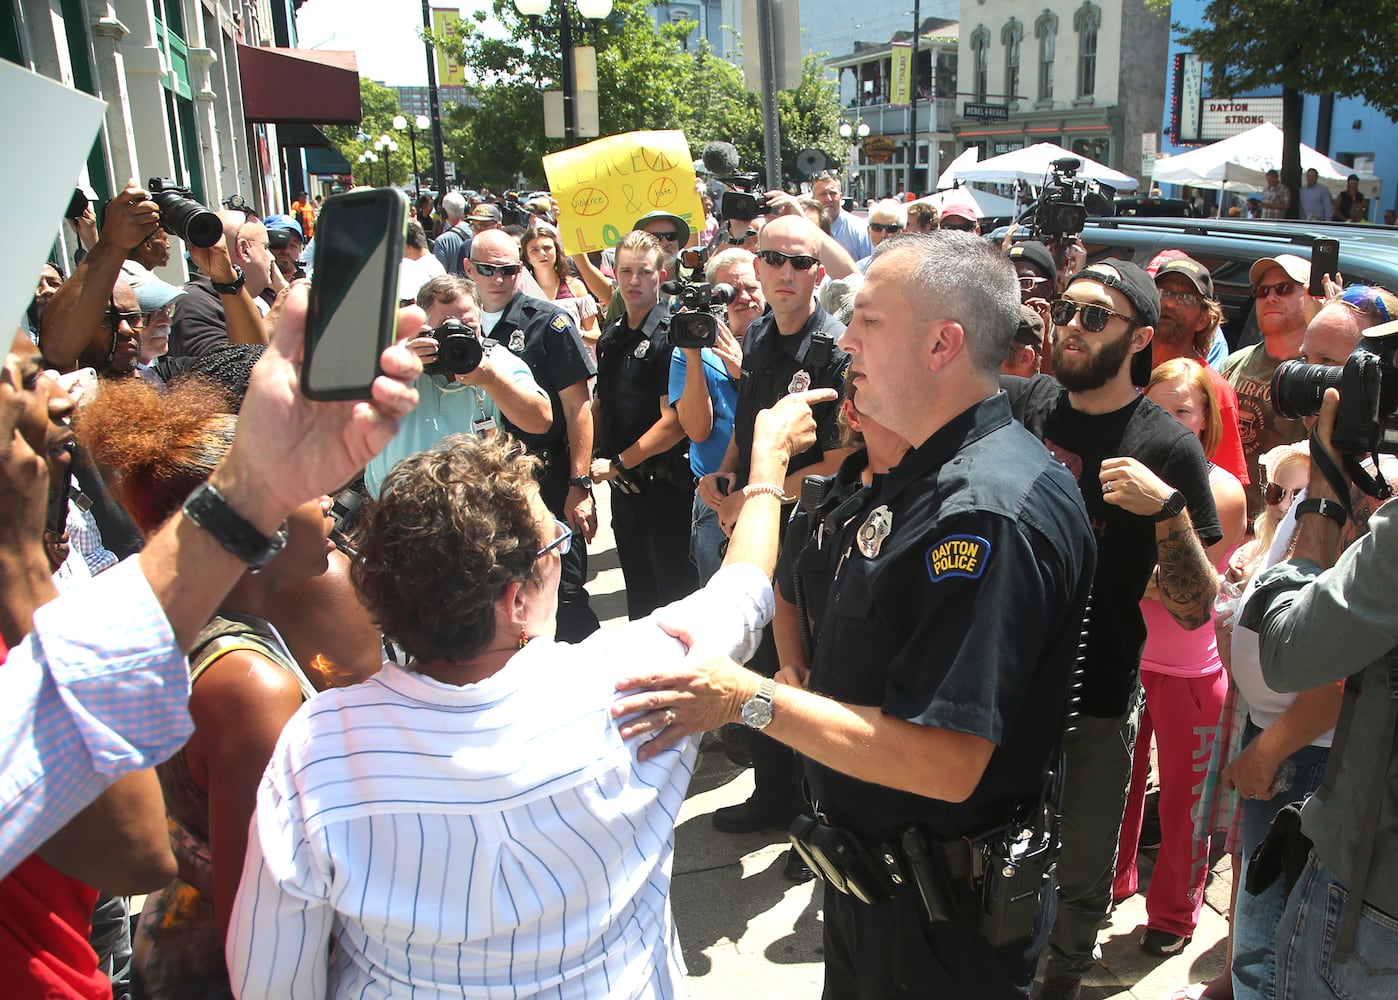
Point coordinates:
[(961, 277), (727, 258), (454, 206), (837, 296), (888, 208)]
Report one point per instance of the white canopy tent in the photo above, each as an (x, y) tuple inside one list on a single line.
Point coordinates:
[(1241, 162), (989, 204), (1031, 165), (968, 157)]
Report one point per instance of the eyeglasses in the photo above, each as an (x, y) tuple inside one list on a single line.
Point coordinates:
[(1028, 282), (775, 258), (1183, 298), (115, 317), (1282, 288), (1367, 299), (1275, 494), (669, 236), (964, 226), (885, 227), (490, 270), (165, 313), (738, 241), (563, 543), (1091, 318)]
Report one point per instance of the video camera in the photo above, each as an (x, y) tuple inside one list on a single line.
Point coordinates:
[(182, 216), (1367, 421), (459, 350), (702, 302), (744, 198), (1066, 200)]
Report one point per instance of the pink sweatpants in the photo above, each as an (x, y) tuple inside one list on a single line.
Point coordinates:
[(1183, 713)]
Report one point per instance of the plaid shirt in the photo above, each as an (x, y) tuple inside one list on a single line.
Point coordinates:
[(97, 690)]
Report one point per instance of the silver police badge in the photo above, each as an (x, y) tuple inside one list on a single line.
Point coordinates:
[(517, 341), (876, 527), (800, 382), (641, 349)]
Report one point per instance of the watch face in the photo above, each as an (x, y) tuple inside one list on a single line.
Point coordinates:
[(757, 713)]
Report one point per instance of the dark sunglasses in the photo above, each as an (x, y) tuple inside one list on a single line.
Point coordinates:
[(1093, 319), (115, 317), (1282, 288), (959, 227), (885, 227), (738, 241), (563, 542), (1274, 494), (1028, 282), (775, 258), (670, 236), (490, 270)]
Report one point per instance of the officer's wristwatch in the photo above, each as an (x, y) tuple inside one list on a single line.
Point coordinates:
[(233, 287), (1173, 505), (209, 509), (581, 482), (757, 710)]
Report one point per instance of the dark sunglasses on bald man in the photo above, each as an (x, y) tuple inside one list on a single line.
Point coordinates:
[(489, 270), (775, 258)]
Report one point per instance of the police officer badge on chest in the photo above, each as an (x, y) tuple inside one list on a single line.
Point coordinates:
[(642, 349), (800, 382), (517, 341), (874, 530)]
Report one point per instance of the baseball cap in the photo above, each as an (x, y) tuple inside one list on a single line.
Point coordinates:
[(1036, 255), (1030, 331), (485, 213), (1189, 268), (283, 222), (680, 224), (154, 294), (1298, 269), (958, 203), (1131, 281)]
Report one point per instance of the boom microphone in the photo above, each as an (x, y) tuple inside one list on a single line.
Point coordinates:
[(721, 158)]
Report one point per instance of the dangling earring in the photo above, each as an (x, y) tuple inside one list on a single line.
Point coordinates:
[(523, 639)]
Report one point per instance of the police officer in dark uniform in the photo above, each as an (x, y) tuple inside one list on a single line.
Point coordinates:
[(546, 337), (791, 348), (937, 698), (643, 451)]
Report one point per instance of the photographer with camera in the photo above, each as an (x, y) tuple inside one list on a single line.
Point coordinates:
[(465, 387), (223, 305), (1321, 620)]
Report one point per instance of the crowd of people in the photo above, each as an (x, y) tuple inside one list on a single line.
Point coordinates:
[(940, 534)]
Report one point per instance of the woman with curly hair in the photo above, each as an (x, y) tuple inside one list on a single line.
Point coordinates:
[(245, 683), (541, 249)]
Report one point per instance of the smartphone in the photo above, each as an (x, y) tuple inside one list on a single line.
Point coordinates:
[(1325, 259), (353, 312)]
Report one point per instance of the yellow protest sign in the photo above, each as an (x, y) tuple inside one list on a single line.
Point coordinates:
[(602, 188)]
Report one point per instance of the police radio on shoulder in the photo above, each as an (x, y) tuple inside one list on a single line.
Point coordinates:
[(209, 509)]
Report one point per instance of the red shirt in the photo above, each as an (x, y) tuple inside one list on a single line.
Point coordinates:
[(1229, 455), (45, 921)]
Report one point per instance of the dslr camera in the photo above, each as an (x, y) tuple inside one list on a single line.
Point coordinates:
[(702, 301), (459, 350), (182, 216), (1367, 422), (1066, 200)]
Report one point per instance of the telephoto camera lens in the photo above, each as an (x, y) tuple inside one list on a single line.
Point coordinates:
[(1297, 388), (182, 216)]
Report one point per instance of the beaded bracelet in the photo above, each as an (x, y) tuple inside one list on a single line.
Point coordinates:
[(772, 488)]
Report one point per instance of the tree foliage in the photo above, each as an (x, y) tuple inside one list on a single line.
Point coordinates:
[(378, 105), (647, 79)]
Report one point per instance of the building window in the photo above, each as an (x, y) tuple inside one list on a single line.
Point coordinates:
[(980, 59), (1046, 31), (1011, 36), (1086, 23)]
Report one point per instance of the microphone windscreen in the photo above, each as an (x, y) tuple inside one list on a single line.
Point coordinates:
[(721, 158)]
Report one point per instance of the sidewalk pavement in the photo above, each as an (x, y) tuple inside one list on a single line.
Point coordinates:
[(747, 931)]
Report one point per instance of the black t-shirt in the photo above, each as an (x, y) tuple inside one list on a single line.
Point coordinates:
[(546, 338), (774, 366), (958, 603), (633, 373), (200, 324), (1126, 542)]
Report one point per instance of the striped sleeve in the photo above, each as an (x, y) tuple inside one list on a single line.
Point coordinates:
[(279, 936)]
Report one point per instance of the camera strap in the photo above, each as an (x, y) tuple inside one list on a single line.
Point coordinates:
[(1374, 486)]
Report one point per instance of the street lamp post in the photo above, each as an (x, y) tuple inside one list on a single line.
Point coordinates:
[(855, 135), (591, 10), (368, 157), (413, 126), (387, 146)]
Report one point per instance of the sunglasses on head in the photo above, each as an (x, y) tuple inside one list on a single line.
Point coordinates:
[(885, 227), (775, 258), (1275, 494), (1282, 288), (1092, 318), (490, 270), (1367, 299)]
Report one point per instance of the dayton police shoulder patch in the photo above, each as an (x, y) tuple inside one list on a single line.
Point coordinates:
[(560, 322), (958, 555)]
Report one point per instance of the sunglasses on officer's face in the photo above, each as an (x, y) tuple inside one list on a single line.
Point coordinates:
[(775, 258), (490, 270)]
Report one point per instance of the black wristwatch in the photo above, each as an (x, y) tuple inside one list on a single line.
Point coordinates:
[(1325, 508), (1174, 503), (233, 287), (581, 482), (209, 509)]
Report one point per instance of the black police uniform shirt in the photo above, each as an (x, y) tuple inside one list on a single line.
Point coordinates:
[(775, 366), (958, 604), (547, 338), (1126, 542), (633, 373)]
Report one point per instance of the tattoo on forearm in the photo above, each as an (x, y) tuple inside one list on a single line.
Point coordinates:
[(1188, 584)]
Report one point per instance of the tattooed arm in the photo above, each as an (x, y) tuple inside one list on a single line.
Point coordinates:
[(1188, 583)]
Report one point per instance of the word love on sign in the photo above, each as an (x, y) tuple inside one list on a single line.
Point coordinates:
[(602, 188)]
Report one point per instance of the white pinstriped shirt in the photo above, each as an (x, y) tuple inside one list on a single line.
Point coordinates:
[(489, 840)]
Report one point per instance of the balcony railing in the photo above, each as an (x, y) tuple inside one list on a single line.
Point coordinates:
[(884, 119)]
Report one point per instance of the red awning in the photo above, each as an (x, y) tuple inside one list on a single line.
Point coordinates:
[(299, 85)]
